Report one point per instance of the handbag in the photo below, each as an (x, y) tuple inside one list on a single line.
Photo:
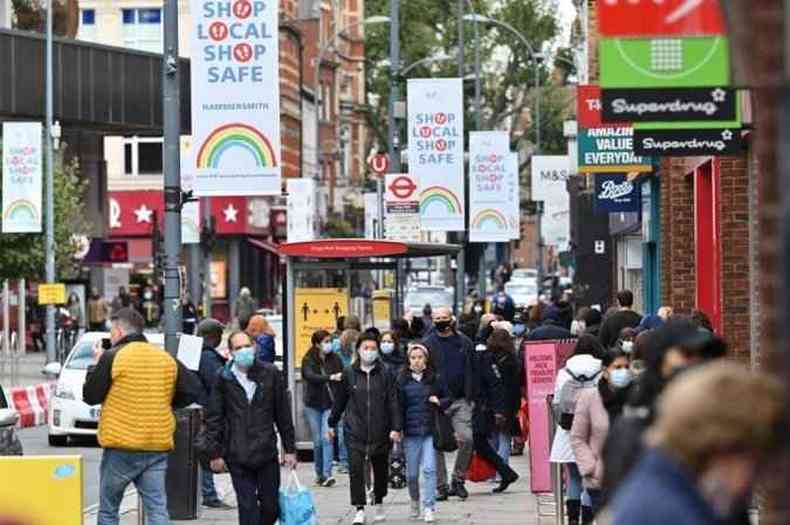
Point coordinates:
[(397, 473), (296, 503), (479, 469), (443, 432)]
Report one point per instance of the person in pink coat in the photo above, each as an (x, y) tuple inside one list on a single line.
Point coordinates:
[(596, 410)]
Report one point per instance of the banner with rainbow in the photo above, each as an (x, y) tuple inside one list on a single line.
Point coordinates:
[(235, 98), (22, 177), (493, 188), (436, 151)]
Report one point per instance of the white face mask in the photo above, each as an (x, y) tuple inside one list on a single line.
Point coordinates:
[(628, 346), (368, 357), (326, 348)]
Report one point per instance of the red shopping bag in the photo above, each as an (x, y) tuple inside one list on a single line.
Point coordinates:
[(523, 419), (480, 469)]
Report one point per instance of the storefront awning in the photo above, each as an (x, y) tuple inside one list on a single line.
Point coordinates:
[(364, 248)]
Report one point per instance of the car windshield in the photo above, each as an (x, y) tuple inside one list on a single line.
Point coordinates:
[(81, 357), (525, 274), (435, 298)]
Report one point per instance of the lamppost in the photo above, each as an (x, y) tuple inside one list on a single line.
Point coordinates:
[(49, 246), (319, 60)]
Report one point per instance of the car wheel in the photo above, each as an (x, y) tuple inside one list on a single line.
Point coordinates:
[(58, 441)]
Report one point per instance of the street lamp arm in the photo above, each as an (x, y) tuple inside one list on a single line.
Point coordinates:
[(505, 25), (428, 60)]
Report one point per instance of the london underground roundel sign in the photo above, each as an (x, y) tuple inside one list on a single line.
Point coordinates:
[(379, 164)]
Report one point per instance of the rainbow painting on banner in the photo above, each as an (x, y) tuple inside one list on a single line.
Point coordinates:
[(21, 211), (438, 200), (233, 139), (490, 220)]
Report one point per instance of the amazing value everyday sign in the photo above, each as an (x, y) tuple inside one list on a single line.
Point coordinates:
[(610, 149), (22, 177), (493, 188), (235, 97), (436, 150)]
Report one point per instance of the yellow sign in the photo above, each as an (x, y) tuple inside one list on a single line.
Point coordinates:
[(52, 293), (316, 309), (382, 300), (46, 490)]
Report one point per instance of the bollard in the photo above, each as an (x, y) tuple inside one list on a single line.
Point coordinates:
[(556, 470)]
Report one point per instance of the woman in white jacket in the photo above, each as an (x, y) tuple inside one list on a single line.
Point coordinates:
[(582, 370)]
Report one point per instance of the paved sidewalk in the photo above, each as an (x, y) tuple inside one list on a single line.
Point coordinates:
[(518, 506)]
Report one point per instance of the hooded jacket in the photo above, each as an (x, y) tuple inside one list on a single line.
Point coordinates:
[(319, 390), (368, 403)]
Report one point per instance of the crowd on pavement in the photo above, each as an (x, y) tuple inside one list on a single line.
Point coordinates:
[(654, 425)]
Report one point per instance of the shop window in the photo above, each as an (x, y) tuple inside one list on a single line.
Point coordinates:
[(142, 156), (142, 29)]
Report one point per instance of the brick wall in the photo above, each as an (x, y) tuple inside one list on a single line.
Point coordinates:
[(678, 281), (734, 252)]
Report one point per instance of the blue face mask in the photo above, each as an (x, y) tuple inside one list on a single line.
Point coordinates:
[(518, 330), (336, 346), (245, 357), (620, 378), (387, 347)]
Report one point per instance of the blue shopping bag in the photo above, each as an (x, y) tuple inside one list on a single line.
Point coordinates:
[(296, 503)]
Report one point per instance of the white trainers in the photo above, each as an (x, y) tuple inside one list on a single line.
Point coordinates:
[(359, 518), (415, 509), (380, 516), (429, 516)]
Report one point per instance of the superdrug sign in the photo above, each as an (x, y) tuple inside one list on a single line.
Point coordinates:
[(688, 142), (669, 105)]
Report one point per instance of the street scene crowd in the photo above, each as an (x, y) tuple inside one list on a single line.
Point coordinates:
[(653, 424)]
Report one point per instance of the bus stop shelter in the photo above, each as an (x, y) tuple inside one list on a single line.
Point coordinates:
[(318, 290)]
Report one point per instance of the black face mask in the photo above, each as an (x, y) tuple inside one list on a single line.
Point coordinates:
[(442, 326)]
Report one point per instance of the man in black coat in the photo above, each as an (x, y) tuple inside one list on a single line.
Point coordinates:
[(211, 362), (248, 400)]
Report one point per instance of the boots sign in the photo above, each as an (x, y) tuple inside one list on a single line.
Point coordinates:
[(615, 193)]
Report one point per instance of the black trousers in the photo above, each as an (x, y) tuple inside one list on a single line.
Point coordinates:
[(357, 468), (256, 493), (482, 426)]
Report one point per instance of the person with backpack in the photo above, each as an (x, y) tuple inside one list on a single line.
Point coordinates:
[(582, 370), (321, 371), (368, 401), (596, 410), (421, 395)]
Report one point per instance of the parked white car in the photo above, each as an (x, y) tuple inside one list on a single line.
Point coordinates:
[(436, 296), (521, 275), (68, 414), (523, 293)]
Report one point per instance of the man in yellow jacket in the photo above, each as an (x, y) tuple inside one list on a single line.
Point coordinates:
[(138, 385)]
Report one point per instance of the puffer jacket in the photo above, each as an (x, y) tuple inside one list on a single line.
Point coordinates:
[(319, 390), (418, 413), (588, 435), (243, 432), (368, 403)]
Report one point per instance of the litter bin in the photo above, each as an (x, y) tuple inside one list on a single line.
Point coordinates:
[(183, 481)]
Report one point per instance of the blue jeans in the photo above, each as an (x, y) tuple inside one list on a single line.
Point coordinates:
[(322, 446), (575, 490), (420, 455), (503, 444), (207, 487), (342, 453), (146, 470)]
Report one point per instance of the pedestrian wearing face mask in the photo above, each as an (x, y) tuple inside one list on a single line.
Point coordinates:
[(322, 371), (421, 395), (248, 401), (392, 355), (596, 409), (453, 355), (368, 401)]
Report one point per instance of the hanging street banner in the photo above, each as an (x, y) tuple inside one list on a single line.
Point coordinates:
[(301, 209), (670, 105), (610, 150), (615, 193), (401, 208), (436, 151), (664, 62), (635, 18), (550, 175), (493, 188), (688, 142), (236, 97), (22, 182)]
